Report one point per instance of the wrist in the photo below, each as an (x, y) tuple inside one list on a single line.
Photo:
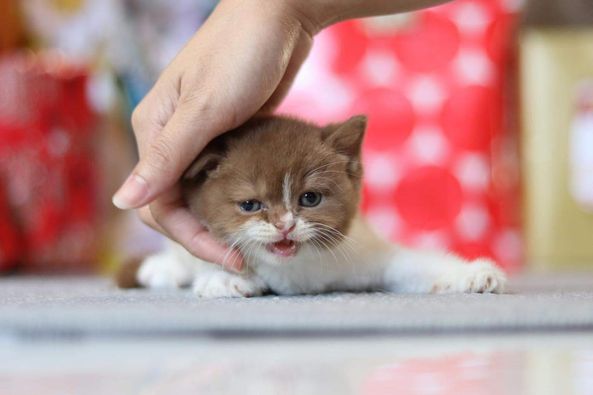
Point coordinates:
[(314, 15), (308, 14), (318, 14)]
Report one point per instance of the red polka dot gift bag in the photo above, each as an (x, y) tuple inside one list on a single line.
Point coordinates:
[(439, 155), (48, 169)]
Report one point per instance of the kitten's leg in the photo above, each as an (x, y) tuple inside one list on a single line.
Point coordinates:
[(218, 283), (165, 271), (174, 267), (426, 272)]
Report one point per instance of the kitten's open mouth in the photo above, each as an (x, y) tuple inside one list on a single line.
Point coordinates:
[(284, 248)]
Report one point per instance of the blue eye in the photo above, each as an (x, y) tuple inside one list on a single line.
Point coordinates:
[(250, 206), (310, 199)]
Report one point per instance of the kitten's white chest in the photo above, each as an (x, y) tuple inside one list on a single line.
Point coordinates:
[(321, 271)]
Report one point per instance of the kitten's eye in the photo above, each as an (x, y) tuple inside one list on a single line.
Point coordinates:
[(250, 206), (310, 199)]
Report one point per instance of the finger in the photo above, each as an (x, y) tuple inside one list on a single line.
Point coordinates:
[(146, 216), (152, 114), (168, 155), (178, 222), (299, 54), (231, 259)]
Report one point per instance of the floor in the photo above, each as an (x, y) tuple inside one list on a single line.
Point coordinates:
[(549, 364), (82, 336)]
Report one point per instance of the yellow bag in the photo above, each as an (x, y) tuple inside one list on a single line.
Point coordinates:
[(557, 136)]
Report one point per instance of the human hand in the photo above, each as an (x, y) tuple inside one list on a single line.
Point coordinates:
[(241, 61)]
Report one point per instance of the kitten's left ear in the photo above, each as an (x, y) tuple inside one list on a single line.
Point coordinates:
[(346, 138), (204, 163)]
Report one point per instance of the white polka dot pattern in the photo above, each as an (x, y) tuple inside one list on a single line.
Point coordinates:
[(432, 84)]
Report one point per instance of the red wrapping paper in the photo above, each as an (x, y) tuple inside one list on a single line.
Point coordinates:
[(10, 243), (47, 163), (440, 166)]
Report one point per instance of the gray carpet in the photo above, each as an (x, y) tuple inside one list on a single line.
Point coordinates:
[(91, 307)]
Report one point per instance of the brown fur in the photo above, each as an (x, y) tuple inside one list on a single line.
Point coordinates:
[(126, 275), (251, 162)]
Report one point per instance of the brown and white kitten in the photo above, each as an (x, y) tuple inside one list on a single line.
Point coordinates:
[(285, 193)]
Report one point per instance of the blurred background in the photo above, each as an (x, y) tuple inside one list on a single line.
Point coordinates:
[(480, 136), (480, 140)]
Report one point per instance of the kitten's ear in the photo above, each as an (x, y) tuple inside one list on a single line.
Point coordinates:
[(204, 163), (207, 161), (346, 137)]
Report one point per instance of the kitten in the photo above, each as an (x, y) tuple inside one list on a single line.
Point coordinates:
[(286, 193)]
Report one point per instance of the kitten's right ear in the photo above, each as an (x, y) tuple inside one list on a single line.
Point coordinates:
[(207, 161), (346, 138)]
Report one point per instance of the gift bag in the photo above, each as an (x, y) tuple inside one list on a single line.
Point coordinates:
[(47, 163), (557, 118), (439, 154)]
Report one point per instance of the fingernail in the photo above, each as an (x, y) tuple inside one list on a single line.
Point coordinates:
[(131, 193)]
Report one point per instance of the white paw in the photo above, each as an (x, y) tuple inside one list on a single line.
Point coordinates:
[(162, 272), (480, 276), (220, 284)]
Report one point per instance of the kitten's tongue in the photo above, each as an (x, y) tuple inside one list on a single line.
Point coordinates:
[(284, 248)]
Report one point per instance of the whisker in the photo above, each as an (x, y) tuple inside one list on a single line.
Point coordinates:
[(228, 253), (345, 242), (336, 172), (333, 230), (310, 172), (317, 248), (329, 180), (337, 245), (250, 248), (328, 247)]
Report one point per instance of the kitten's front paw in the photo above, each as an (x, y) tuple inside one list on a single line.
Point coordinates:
[(160, 272), (220, 284), (481, 276)]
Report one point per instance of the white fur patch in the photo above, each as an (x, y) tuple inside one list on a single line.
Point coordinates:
[(163, 271), (286, 191), (257, 230), (288, 220), (480, 276), (220, 284), (413, 271)]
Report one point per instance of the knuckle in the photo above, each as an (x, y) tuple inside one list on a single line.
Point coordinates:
[(198, 105), (137, 117), (161, 156), (204, 107), (207, 109)]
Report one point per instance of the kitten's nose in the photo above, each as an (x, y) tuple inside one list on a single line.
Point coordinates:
[(285, 227)]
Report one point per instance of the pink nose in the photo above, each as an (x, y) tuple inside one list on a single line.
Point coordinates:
[(285, 227)]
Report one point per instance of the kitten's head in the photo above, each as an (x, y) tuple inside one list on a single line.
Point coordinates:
[(277, 186)]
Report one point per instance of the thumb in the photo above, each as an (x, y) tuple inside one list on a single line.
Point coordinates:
[(165, 158)]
